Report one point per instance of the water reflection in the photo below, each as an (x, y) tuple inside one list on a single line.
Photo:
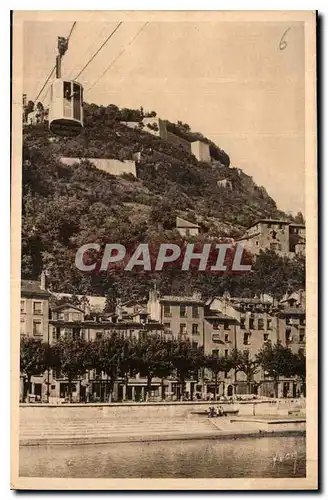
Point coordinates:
[(248, 457)]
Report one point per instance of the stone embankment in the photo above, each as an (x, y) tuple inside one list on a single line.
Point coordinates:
[(104, 423)]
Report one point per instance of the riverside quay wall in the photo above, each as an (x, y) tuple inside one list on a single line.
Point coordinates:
[(136, 412)]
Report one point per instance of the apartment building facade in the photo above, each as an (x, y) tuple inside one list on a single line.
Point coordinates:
[(34, 322), (219, 339), (131, 322), (34, 310), (182, 316), (258, 321)]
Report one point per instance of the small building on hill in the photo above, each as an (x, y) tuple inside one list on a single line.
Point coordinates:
[(201, 150), (186, 228), (224, 183)]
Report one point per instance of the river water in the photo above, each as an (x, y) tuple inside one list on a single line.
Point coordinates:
[(246, 457)]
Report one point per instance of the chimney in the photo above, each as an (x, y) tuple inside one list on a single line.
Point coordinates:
[(153, 294), (196, 295), (43, 284)]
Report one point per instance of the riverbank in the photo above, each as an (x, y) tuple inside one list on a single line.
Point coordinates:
[(132, 422), (268, 457)]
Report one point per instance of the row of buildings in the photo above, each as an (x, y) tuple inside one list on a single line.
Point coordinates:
[(283, 237), (218, 325)]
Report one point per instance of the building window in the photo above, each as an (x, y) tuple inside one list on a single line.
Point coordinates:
[(215, 352), (265, 337), (55, 333), (288, 335), (195, 312), (183, 328), (226, 325), (183, 311), (37, 307), (76, 333), (142, 335), (302, 321), (246, 338), (269, 226), (302, 335), (260, 323), (22, 306), (256, 243), (67, 333), (242, 323), (226, 352), (167, 326), (195, 345), (195, 330), (269, 324), (66, 316), (215, 326), (226, 337), (167, 310), (37, 327), (98, 335), (22, 326), (251, 323), (76, 317)]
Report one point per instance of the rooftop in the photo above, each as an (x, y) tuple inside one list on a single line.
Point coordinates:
[(65, 306), (185, 223), (96, 302), (174, 298), (218, 315), (292, 310), (246, 300), (270, 221), (142, 311), (33, 288)]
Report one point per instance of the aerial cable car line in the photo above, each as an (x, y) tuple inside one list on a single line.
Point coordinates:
[(97, 51), (117, 57), (90, 46), (74, 67), (54, 68), (66, 97)]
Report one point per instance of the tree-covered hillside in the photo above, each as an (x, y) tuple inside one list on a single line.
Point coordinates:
[(65, 207)]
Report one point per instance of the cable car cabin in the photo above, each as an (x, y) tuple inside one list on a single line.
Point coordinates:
[(66, 108)]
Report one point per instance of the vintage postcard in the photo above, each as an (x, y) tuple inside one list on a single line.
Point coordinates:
[(164, 250)]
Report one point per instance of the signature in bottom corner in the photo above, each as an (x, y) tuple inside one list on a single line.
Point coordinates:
[(286, 457)]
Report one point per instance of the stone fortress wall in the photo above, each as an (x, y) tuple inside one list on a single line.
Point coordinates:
[(111, 166)]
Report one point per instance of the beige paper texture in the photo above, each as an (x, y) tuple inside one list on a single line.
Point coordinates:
[(188, 66)]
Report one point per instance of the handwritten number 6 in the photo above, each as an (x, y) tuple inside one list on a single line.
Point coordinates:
[(283, 44)]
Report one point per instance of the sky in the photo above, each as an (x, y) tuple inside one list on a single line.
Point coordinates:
[(228, 80)]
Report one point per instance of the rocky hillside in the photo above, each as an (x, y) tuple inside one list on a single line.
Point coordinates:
[(65, 207)]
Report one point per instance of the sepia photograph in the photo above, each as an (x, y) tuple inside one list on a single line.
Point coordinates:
[(164, 250)]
